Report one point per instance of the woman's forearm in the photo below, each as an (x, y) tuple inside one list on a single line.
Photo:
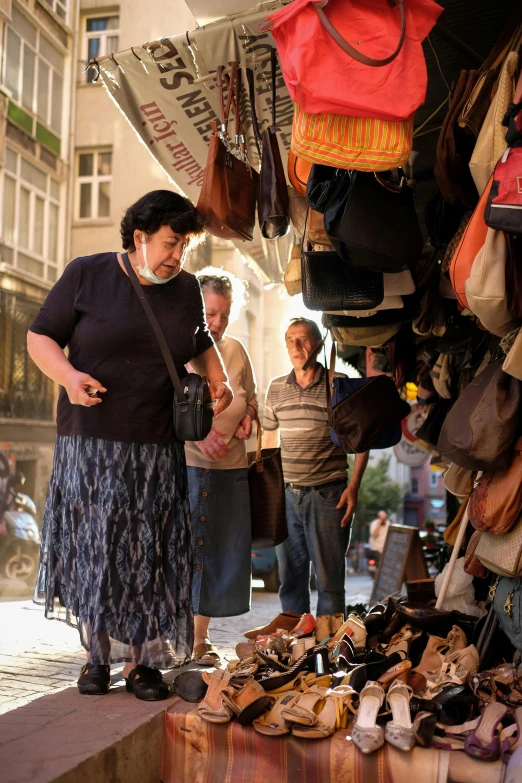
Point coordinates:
[(210, 364), (49, 357)]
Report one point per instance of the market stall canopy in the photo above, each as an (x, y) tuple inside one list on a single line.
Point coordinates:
[(164, 89)]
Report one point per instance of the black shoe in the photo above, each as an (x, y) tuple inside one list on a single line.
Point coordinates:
[(94, 679), (147, 684)]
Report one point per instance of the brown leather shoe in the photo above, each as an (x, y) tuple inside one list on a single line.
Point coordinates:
[(286, 621)]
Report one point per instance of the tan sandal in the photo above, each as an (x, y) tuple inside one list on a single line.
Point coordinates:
[(304, 708), (272, 723), (247, 702), (332, 716), (214, 708), (205, 654)]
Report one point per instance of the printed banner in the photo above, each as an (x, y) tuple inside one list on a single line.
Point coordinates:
[(156, 86)]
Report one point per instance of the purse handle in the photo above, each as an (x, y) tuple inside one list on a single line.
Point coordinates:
[(348, 49), (259, 457), (160, 337)]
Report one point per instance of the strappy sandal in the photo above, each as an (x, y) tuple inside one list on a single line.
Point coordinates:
[(302, 709), (272, 724), (146, 684), (484, 742), (512, 741), (205, 654), (333, 714), (455, 670), (286, 674), (247, 702), (214, 709), (94, 679)]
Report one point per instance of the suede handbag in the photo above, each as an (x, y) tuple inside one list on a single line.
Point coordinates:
[(228, 195), (496, 498), (481, 429)]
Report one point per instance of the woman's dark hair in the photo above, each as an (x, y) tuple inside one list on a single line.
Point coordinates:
[(160, 208)]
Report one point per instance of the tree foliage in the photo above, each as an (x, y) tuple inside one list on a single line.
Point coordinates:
[(378, 491)]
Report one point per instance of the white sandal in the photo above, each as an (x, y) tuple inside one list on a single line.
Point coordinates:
[(366, 734), (399, 731), (334, 714)]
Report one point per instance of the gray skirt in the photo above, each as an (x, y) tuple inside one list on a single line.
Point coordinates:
[(221, 540), (116, 555)]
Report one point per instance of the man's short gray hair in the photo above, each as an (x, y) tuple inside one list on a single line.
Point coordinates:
[(224, 284)]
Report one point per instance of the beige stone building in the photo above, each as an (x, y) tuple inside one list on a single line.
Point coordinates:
[(70, 164)]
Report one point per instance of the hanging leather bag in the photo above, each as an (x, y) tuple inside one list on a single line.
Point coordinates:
[(381, 73), (496, 499), (502, 554), (228, 195), (363, 414), (480, 430), (267, 495), (273, 206), (298, 172)]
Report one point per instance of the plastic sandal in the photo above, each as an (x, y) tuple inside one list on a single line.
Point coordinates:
[(332, 716), (484, 742), (399, 731), (272, 724), (366, 734)]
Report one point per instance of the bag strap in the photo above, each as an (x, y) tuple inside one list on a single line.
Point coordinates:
[(346, 47), (273, 62), (160, 337), (255, 122)]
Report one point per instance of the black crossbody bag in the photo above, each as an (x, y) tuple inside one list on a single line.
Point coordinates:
[(192, 408)]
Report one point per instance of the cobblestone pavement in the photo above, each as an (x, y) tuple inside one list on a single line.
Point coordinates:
[(38, 656)]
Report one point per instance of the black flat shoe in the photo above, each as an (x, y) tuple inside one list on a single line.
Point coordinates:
[(94, 679), (147, 684)]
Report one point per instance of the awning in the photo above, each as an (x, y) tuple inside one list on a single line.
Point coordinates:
[(158, 87)]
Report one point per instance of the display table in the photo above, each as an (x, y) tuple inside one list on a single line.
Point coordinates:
[(199, 752)]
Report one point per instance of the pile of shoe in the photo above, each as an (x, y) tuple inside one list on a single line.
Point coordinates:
[(401, 673)]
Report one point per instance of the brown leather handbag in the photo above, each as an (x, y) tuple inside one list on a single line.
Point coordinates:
[(496, 498), (267, 495), (228, 196), (273, 206), (298, 172), (480, 430)]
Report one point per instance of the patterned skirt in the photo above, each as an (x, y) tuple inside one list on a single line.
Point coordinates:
[(116, 550)]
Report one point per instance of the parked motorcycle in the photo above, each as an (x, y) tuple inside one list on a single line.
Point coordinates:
[(372, 560), (20, 540)]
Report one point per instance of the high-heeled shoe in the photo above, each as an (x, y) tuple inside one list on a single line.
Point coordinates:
[(366, 734), (401, 671), (484, 742), (437, 648), (399, 731), (332, 714), (371, 670)]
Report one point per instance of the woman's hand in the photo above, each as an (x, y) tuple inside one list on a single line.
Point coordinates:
[(220, 391), (244, 428), (213, 447), (82, 389)]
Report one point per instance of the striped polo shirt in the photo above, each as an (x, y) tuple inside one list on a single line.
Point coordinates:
[(308, 452)]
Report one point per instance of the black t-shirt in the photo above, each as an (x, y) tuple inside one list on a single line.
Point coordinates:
[(94, 309)]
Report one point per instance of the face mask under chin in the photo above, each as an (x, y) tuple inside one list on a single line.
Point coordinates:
[(146, 272)]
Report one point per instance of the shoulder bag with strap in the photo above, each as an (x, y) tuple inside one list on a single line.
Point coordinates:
[(267, 495), (192, 409)]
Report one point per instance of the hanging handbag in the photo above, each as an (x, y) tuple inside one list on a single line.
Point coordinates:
[(381, 318), (486, 286), (267, 495), (228, 195), (192, 408), (371, 222), (357, 143), (384, 77), (366, 336), (504, 204), (429, 430), (331, 284), (502, 554), (297, 210), (454, 150), (473, 239), (480, 431), (298, 172), (273, 206), (496, 498), (292, 276), (491, 142), (363, 414)]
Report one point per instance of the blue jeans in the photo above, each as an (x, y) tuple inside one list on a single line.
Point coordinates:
[(314, 534)]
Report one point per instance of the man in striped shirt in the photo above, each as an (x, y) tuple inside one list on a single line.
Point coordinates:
[(319, 502)]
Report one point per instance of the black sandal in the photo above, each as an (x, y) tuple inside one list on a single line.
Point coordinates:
[(94, 679), (147, 684)]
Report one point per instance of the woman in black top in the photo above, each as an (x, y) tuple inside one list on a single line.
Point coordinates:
[(115, 559)]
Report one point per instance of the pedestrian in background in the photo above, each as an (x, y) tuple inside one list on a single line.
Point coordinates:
[(218, 478), (116, 555)]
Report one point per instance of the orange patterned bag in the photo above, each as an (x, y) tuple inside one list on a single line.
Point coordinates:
[(358, 143)]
